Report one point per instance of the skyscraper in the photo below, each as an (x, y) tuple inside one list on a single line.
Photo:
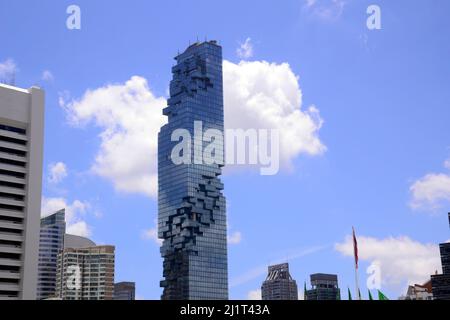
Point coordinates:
[(125, 291), (51, 242), (279, 284), (85, 271), (192, 215), (441, 282), (324, 287), (21, 149)]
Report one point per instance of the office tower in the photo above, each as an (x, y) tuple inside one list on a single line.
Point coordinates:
[(51, 242), (419, 292), (124, 291), (441, 282), (191, 206), (279, 284), (85, 271), (21, 148), (324, 287)]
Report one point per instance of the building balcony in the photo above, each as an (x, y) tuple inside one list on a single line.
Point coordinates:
[(11, 236), (10, 248), (10, 262), (13, 146), (9, 275)]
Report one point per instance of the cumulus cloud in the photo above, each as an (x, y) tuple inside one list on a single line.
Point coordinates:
[(254, 295), (130, 117), (245, 49), (258, 95), (75, 213), (432, 191), (326, 10), (47, 76), (152, 234), (402, 261), (447, 164), (57, 172), (235, 238), (263, 95), (7, 69)]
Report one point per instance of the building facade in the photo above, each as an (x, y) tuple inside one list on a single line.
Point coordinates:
[(85, 273), (419, 292), (441, 282), (324, 287), (51, 242), (21, 151), (279, 284), (191, 206), (125, 291)]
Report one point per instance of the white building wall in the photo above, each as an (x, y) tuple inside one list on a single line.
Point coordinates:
[(20, 199)]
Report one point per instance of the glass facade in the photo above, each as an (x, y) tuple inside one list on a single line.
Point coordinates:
[(191, 206), (51, 242)]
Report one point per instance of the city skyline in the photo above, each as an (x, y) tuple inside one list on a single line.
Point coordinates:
[(373, 153)]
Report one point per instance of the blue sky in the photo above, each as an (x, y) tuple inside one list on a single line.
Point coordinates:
[(383, 96)]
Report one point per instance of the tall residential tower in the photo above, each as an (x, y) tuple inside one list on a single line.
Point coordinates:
[(85, 271), (51, 242), (21, 149), (192, 216)]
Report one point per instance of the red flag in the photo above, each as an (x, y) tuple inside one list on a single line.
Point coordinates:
[(355, 248)]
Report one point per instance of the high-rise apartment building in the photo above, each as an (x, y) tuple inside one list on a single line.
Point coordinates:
[(324, 287), (51, 242), (279, 284), (125, 291), (441, 282), (192, 215), (85, 271), (21, 150)]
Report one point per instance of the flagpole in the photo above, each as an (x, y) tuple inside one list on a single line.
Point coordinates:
[(357, 282), (355, 251)]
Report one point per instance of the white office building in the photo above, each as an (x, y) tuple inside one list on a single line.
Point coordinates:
[(21, 149)]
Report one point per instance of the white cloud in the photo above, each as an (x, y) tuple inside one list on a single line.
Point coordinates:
[(264, 95), (245, 49), (130, 117), (326, 10), (80, 228), (57, 172), (75, 212), (47, 76), (432, 191), (402, 260), (447, 164), (235, 238), (254, 295), (7, 69), (152, 234), (258, 95)]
